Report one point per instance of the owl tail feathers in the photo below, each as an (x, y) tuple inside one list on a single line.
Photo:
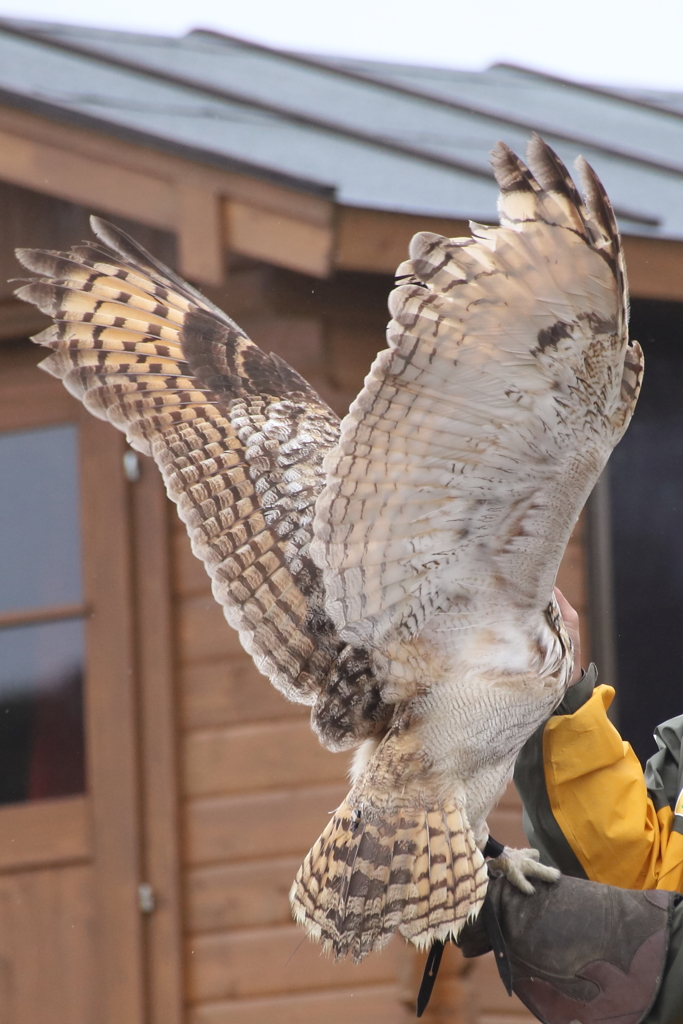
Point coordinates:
[(417, 871)]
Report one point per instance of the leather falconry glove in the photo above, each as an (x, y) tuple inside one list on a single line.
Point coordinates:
[(573, 951)]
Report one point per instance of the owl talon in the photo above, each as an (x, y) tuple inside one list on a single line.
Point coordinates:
[(520, 865)]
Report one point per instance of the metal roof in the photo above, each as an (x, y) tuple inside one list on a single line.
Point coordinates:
[(374, 135)]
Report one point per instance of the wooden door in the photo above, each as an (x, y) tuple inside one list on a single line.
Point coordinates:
[(75, 945)]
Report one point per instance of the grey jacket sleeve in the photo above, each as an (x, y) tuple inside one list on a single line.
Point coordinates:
[(664, 770)]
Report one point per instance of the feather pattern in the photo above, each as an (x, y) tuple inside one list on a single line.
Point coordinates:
[(239, 437), (468, 455), (395, 574)]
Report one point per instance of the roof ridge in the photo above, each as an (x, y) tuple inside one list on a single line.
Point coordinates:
[(596, 90)]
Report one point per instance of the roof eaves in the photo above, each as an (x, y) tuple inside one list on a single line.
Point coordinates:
[(196, 154)]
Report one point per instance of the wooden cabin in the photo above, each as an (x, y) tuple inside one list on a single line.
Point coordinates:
[(156, 794)]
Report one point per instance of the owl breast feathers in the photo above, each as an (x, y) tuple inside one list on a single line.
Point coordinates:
[(394, 571)]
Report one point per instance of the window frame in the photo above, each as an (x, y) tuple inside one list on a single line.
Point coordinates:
[(102, 826)]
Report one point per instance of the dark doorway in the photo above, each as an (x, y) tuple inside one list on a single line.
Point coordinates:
[(646, 491)]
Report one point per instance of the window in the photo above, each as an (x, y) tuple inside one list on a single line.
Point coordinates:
[(41, 616)]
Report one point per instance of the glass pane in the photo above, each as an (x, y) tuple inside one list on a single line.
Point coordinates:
[(41, 716), (40, 561)]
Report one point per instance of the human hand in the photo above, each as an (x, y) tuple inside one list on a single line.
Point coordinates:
[(571, 622)]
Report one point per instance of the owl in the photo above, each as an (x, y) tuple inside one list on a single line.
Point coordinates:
[(393, 571)]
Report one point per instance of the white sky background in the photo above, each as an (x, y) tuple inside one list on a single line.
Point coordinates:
[(619, 42)]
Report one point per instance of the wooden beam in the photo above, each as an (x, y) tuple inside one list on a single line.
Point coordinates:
[(51, 613), (81, 179), (161, 826), (262, 219), (376, 241), (279, 238), (45, 833), (654, 267), (200, 233)]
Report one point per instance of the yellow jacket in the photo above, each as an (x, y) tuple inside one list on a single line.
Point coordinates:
[(590, 808)]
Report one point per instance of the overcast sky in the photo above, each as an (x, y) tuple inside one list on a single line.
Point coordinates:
[(623, 42)]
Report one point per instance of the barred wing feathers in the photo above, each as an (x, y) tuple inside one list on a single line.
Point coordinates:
[(464, 462), (458, 475), (239, 437)]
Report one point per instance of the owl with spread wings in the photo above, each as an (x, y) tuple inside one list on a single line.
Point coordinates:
[(394, 571)]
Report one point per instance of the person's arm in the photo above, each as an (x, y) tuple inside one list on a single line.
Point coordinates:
[(587, 807)]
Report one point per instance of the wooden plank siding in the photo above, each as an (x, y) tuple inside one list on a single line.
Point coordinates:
[(374, 1004), (49, 926)]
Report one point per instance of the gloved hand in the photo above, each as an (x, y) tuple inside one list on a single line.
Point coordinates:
[(575, 950)]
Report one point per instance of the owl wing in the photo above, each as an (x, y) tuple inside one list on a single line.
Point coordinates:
[(465, 461), (239, 437)]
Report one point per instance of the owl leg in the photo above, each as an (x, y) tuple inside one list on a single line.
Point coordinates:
[(519, 866)]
